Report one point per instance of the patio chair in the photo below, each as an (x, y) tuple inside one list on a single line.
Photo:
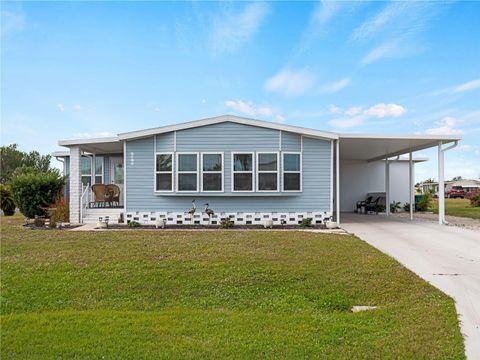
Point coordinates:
[(372, 206), (363, 203), (114, 194), (101, 195)]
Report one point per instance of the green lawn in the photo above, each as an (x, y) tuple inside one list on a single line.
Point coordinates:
[(225, 294), (458, 207)]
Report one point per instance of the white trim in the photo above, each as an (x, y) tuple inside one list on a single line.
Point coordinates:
[(292, 172), (233, 172), (228, 118), (178, 172), (125, 175), (280, 140), (337, 181), (155, 172), (331, 174), (301, 143), (258, 171), (222, 172), (387, 187), (174, 141)]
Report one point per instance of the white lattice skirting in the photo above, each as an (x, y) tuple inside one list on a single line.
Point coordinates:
[(239, 218)]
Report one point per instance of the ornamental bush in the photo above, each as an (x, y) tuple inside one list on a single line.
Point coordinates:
[(34, 192), (475, 200)]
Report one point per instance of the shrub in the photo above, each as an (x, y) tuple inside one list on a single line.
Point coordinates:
[(34, 192), (306, 222), (406, 207), (59, 211), (379, 208), (226, 223), (39, 222), (394, 206), (475, 200), (134, 224), (424, 203), (6, 201)]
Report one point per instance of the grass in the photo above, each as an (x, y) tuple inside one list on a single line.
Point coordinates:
[(458, 207), (225, 294)]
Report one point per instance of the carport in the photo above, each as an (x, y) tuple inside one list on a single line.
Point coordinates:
[(370, 157)]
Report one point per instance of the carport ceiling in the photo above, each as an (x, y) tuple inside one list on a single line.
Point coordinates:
[(372, 147)]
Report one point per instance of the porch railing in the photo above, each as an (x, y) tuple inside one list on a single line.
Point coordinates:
[(85, 200)]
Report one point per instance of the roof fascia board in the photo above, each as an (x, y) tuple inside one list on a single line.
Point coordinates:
[(88, 141), (446, 138), (401, 152)]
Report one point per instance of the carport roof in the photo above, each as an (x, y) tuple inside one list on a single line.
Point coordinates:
[(377, 147)]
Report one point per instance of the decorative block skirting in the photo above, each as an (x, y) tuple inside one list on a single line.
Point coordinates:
[(239, 218)]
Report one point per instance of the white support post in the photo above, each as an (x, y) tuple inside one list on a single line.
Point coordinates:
[(387, 187), (75, 184), (410, 184), (441, 186), (94, 168), (337, 181)]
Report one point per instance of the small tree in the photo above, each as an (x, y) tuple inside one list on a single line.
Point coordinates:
[(33, 191), (11, 158)]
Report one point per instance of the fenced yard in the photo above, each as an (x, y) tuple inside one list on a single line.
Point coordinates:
[(213, 294)]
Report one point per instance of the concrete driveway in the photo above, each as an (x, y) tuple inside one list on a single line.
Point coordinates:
[(446, 256)]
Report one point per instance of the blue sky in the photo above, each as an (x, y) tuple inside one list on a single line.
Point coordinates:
[(82, 69)]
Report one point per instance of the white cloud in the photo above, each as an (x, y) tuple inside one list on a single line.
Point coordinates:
[(334, 109), (335, 86), (204, 101), (231, 31), (291, 82), (61, 107), (471, 85), (77, 107), (250, 109), (446, 126), (383, 110), (354, 110), (11, 22), (93, 135), (347, 122), (156, 109)]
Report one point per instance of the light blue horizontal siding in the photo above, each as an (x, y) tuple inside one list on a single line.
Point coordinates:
[(228, 137)]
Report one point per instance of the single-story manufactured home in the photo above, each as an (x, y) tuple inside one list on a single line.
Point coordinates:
[(245, 169)]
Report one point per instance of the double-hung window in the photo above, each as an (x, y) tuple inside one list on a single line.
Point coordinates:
[(99, 170), (242, 171), (292, 171), (164, 172), (187, 172), (212, 172), (267, 171), (86, 170)]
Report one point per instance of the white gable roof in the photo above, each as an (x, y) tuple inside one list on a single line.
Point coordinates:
[(228, 118)]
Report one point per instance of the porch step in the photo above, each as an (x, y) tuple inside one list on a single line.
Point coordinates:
[(91, 216)]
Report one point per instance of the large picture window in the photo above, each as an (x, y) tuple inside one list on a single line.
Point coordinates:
[(242, 171), (187, 173), (164, 172), (292, 172), (267, 171), (212, 172)]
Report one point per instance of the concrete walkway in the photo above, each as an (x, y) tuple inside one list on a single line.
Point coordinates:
[(446, 256)]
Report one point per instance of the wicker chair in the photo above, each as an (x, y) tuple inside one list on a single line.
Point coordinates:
[(102, 197), (114, 194)]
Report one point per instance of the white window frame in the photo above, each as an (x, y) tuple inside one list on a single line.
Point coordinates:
[(258, 172), (155, 172), (94, 166), (233, 172), (178, 172), (90, 183), (222, 172), (292, 172)]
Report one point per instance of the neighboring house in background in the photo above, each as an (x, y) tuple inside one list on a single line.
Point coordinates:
[(247, 169), (470, 186)]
